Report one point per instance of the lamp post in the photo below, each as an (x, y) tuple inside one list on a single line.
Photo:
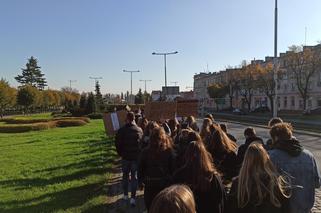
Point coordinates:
[(275, 76), (145, 81), (165, 54), (70, 82), (174, 82), (131, 80)]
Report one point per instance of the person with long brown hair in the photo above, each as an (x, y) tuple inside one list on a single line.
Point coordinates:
[(223, 151), (174, 199), (205, 130), (259, 187), (156, 165), (201, 176), (191, 121)]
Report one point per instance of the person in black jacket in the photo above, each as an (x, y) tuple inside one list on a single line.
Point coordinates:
[(259, 188), (127, 141), (156, 165), (223, 151), (201, 176), (250, 137)]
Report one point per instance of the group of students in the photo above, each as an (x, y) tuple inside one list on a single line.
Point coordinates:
[(182, 168)]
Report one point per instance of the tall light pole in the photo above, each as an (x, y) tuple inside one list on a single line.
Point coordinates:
[(131, 80), (275, 101), (145, 81), (165, 54), (70, 82)]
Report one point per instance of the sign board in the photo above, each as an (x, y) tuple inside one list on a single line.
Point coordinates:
[(114, 121), (157, 111)]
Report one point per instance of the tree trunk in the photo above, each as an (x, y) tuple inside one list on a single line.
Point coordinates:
[(304, 103), (231, 102), (271, 104)]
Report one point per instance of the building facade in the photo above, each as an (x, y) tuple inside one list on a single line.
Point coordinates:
[(289, 97)]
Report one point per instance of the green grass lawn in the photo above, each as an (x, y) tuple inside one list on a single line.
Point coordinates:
[(34, 116), (57, 170)]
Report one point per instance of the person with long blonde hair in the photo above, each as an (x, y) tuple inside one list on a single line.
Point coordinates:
[(259, 187), (201, 176), (156, 165), (174, 199)]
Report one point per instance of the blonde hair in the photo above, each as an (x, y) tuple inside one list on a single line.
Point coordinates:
[(259, 180), (174, 199), (220, 141)]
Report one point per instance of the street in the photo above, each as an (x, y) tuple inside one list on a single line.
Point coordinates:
[(311, 143)]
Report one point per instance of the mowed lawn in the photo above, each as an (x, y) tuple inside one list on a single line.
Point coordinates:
[(57, 170)]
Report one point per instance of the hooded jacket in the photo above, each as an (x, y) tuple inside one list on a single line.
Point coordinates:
[(299, 166)]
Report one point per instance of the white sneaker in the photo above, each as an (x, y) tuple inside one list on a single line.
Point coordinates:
[(132, 202), (125, 198)]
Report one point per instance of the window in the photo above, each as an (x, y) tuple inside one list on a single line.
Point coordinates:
[(285, 87), (279, 102), (309, 103), (278, 86), (292, 87), (293, 101), (301, 104), (285, 102)]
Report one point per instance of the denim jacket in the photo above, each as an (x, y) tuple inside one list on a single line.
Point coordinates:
[(304, 176)]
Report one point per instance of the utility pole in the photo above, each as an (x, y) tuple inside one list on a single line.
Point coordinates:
[(275, 102), (165, 54), (131, 80), (174, 82), (70, 82), (145, 81)]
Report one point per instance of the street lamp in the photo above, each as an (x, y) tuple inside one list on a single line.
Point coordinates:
[(131, 79), (70, 82), (275, 76), (145, 83), (165, 54), (174, 82)]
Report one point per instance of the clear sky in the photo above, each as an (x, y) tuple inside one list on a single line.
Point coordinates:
[(75, 39)]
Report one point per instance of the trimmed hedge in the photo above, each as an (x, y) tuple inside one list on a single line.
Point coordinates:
[(27, 127), (95, 116), (70, 122)]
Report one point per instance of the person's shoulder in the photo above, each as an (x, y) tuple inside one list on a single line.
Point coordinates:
[(307, 153)]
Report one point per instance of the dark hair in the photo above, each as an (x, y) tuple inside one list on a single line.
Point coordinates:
[(274, 121), (210, 116), (130, 116), (200, 164), (250, 131), (223, 127)]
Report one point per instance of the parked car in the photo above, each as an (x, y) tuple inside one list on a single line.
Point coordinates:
[(238, 111), (261, 109)]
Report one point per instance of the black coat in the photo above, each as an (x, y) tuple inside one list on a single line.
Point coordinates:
[(226, 163), (128, 141), (155, 170), (209, 201), (265, 207), (242, 149)]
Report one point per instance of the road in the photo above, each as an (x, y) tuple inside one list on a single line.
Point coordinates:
[(312, 143)]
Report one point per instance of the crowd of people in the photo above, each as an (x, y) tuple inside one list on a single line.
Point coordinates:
[(187, 169)]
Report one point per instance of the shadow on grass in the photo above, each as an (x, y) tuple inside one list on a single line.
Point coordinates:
[(98, 154)]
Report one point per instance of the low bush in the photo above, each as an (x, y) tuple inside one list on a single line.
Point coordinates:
[(15, 128), (95, 116), (70, 122)]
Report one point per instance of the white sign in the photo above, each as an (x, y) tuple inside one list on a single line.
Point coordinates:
[(114, 121)]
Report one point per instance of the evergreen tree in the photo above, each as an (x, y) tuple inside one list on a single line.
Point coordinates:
[(139, 99), (83, 101), (98, 95), (91, 104), (122, 96), (32, 75)]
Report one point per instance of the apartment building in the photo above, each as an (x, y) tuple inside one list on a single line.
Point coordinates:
[(289, 97)]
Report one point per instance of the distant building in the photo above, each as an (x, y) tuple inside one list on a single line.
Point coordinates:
[(289, 97), (170, 92), (156, 95), (189, 95)]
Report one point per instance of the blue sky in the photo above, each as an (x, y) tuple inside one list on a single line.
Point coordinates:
[(75, 39)]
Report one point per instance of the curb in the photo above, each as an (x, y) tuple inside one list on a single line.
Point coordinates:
[(303, 132)]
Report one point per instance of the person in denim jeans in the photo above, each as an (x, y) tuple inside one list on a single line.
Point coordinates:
[(298, 164), (128, 143)]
